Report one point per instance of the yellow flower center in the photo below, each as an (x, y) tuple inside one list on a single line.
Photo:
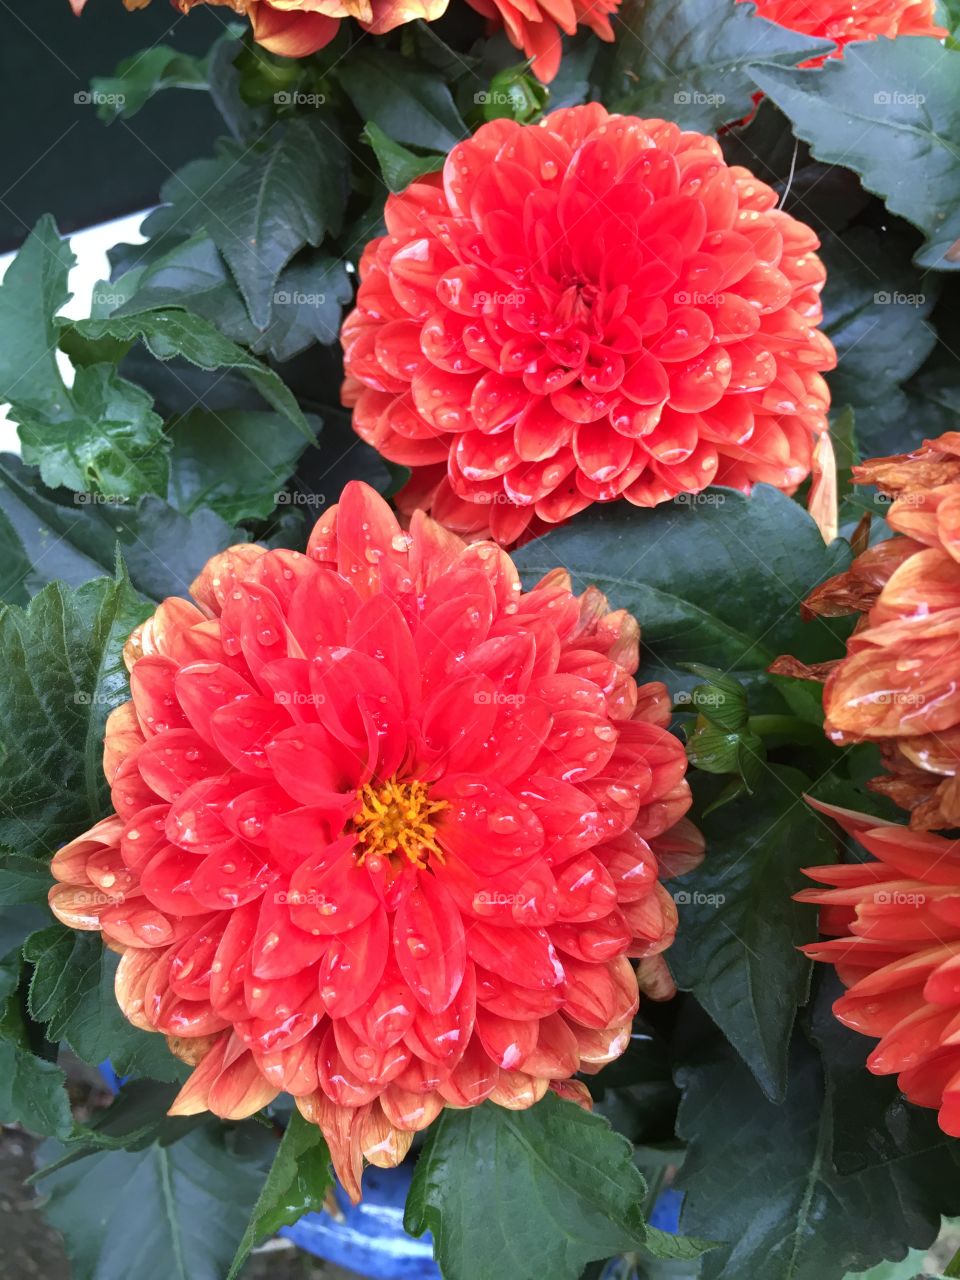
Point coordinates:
[(394, 820)]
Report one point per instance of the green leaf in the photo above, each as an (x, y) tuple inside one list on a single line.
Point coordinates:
[(715, 750), (61, 673), (107, 440), (33, 290), (411, 104), (736, 947), (15, 568), (22, 881), (537, 1192), (908, 1269), (72, 993), (75, 536), (262, 204), (664, 1244), (170, 332), (720, 699), (761, 1177), (138, 79), (32, 1089), (398, 165), (305, 307), (879, 324), (888, 111), (136, 1118), (691, 62), (296, 1184), (161, 1213), (235, 462), (713, 578)]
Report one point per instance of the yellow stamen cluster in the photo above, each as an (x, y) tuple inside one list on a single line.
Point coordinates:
[(395, 819)]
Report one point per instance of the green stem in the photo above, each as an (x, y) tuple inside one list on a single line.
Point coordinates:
[(791, 727), (953, 1266)]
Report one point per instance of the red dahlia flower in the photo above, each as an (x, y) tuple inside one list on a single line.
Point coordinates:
[(590, 308), (386, 831), (899, 684), (537, 26), (894, 923), (846, 20)]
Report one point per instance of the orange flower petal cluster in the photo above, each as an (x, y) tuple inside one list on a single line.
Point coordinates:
[(590, 308), (387, 832), (899, 684), (844, 21), (894, 928), (297, 28), (538, 26)]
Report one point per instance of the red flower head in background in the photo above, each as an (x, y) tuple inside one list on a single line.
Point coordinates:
[(590, 308), (297, 28), (538, 26), (899, 685), (894, 926), (844, 21), (386, 831)]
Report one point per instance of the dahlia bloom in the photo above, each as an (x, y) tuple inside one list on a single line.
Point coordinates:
[(894, 927), (589, 308), (899, 684), (387, 832), (844, 21), (537, 26), (297, 28)]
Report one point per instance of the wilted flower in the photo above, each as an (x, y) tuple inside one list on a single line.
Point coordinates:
[(899, 684), (297, 28), (537, 26), (894, 927), (590, 308), (846, 20), (386, 831)]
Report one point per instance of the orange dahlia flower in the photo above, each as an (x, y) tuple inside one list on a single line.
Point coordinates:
[(297, 28), (538, 26), (844, 21), (894, 926), (589, 308), (899, 684), (387, 829)]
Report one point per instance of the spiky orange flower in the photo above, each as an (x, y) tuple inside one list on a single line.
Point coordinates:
[(844, 21), (297, 28), (591, 308), (387, 829), (538, 26), (894, 925), (899, 684)]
